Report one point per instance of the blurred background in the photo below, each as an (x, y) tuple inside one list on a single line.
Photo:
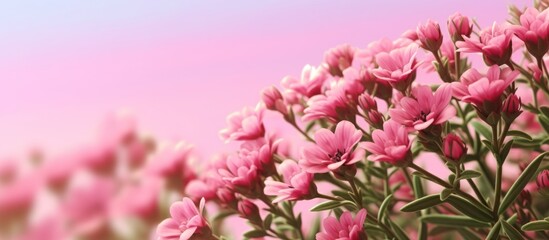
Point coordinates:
[(77, 73)]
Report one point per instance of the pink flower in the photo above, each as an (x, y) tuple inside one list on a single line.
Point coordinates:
[(511, 106), (241, 175), (534, 31), (398, 67), (172, 163), (311, 81), (186, 222), (297, 184), (424, 108), (244, 125), (339, 58), (332, 150), (543, 180), (260, 152), (139, 198), (494, 43), (336, 105), (478, 89), (453, 147), (459, 26), (346, 228), (390, 145), (430, 36), (368, 57), (273, 100)]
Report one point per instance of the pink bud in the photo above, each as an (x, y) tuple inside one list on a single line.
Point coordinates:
[(249, 210), (430, 36), (366, 102), (225, 195), (543, 180), (511, 106), (270, 96), (454, 148), (459, 26)]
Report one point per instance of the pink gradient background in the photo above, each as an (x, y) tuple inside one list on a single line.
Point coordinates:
[(180, 67)]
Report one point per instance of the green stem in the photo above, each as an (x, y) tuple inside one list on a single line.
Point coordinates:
[(355, 192), (477, 191), (387, 230), (497, 197)]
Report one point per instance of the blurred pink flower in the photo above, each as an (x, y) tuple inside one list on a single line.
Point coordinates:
[(50, 228), (297, 183), (429, 35), (332, 149), (390, 145), (534, 31), (494, 43), (244, 125), (543, 180), (398, 67), (16, 198), (339, 58), (368, 57), (138, 198), (172, 163), (424, 108), (477, 88), (186, 222), (346, 228)]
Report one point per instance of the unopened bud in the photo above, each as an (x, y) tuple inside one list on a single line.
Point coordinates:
[(459, 26), (511, 107), (430, 36), (249, 210), (454, 148)]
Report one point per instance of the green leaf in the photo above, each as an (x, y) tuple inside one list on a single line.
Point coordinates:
[(482, 129), (383, 207), (546, 219), (422, 203), (466, 234), (400, 234), (544, 110), (539, 225), (505, 150), (511, 231), (268, 220), (255, 234), (489, 145), (445, 194), (520, 183), (513, 219), (471, 210), (544, 121), (451, 178), (494, 232), (418, 187), (520, 134), (468, 174), (453, 221), (330, 205)]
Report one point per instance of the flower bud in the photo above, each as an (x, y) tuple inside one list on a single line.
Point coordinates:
[(511, 107), (459, 26), (430, 36), (454, 148), (226, 196), (249, 210), (273, 100), (543, 180), (366, 102), (375, 119), (525, 199)]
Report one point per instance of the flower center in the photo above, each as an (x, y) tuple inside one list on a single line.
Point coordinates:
[(422, 116), (336, 157)]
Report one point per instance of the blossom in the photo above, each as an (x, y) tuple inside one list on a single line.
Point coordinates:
[(453, 147), (390, 145), (543, 180), (240, 174), (459, 26), (424, 108), (398, 67), (260, 152), (339, 58), (430, 36), (186, 222), (494, 43), (297, 184), (478, 89), (249, 210), (332, 150), (172, 163), (334, 106), (311, 81), (273, 100), (244, 125), (346, 228), (534, 31)]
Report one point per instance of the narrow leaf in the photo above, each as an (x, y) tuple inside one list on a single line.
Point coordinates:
[(520, 183), (468, 174), (445, 194), (418, 187), (510, 231), (520, 134), (255, 234), (383, 207), (494, 232), (482, 129), (330, 205), (453, 221), (400, 234), (466, 234), (422, 203), (477, 212), (539, 225)]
